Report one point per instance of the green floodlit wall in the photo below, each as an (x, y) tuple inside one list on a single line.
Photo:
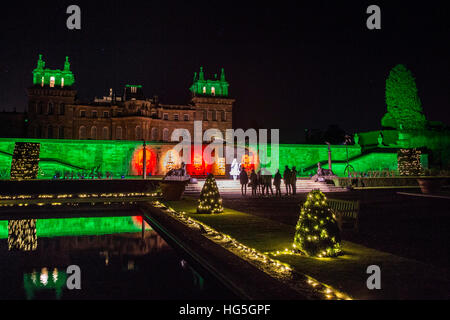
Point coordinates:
[(79, 226), (306, 157), (74, 155), (436, 142), (115, 156)]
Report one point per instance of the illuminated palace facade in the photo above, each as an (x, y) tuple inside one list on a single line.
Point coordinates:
[(55, 113)]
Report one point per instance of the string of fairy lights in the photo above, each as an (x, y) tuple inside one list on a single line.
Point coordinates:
[(210, 200), (409, 162), (24, 166), (71, 199), (25, 161), (317, 233), (275, 268)]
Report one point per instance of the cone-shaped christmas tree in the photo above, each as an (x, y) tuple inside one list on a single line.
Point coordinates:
[(210, 200), (317, 233)]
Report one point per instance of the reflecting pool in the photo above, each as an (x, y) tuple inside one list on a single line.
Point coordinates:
[(116, 260)]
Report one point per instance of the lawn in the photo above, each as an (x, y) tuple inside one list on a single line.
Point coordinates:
[(400, 278)]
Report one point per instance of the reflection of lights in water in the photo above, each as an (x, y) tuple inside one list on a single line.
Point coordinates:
[(137, 220), (33, 276), (44, 276), (55, 275), (130, 264), (183, 263), (106, 254)]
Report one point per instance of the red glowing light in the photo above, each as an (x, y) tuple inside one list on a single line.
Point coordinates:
[(138, 161)]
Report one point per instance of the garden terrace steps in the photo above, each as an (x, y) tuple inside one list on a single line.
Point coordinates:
[(230, 187)]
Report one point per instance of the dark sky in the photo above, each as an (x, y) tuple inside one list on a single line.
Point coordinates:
[(291, 65)]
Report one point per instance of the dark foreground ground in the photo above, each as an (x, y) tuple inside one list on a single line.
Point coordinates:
[(408, 226)]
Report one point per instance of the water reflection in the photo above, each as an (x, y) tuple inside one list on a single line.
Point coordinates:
[(34, 282), (117, 261)]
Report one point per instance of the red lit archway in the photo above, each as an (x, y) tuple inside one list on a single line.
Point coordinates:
[(249, 161), (138, 161)]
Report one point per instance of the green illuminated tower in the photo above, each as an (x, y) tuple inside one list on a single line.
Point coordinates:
[(48, 99), (212, 101), (317, 233), (210, 87), (53, 78), (210, 200)]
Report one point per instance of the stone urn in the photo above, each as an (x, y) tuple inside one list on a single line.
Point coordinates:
[(430, 185), (173, 189)]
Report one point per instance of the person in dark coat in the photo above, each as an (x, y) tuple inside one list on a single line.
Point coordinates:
[(260, 182), (287, 180), (294, 180), (254, 182), (267, 179), (243, 179), (277, 183)]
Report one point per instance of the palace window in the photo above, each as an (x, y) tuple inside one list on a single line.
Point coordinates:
[(205, 115), (50, 132), (213, 91), (94, 132), (61, 133), (186, 117), (42, 83), (62, 109), (204, 90), (224, 117), (214, 115), (105, 114), (82, 113), (52, 82), (165, 134), (105, 133), (154, 134), (82, 132), (40, 107), (138, 133), (62, 82), (50, 108), (119, 133), (175, 117), (94, 114), (166, 116)]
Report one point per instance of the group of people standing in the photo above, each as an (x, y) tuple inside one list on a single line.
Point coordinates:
[(261, 181)]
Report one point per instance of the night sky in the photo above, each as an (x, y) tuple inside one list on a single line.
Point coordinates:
[(291, 65)]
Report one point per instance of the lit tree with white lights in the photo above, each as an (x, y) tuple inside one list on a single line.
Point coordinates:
[(317, 233), (210, 200)]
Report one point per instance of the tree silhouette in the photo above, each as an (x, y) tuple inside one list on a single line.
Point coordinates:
[(404, 108)]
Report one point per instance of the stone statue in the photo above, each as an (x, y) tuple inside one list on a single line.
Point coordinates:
[(323, 174), (177, 174), (380, 139), (356, 138)]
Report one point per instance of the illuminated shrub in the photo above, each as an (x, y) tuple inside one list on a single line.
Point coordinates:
[(210, 200), (317, 233), (409, 162), (403, 103), (22, 235)]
